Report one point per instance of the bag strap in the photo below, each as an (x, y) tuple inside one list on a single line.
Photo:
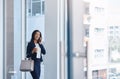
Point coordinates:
[(28, 58)]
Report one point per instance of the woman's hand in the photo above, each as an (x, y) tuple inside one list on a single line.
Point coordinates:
[(34, 50)]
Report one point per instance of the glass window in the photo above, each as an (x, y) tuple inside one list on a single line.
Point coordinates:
[(36, 8), (43, 7), (99, 74), (29, 10)]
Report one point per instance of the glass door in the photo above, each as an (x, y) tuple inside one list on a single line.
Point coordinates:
[(77, 39), (35, 20)]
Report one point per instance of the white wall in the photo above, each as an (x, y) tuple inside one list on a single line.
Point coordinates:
[(51, 39), (1, 39)]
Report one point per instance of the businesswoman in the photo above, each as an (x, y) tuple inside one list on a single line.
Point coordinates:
[(35, 49)]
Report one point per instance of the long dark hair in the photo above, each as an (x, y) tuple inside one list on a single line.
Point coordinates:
[(33, 35)]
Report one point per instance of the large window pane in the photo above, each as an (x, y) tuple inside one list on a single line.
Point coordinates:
[(96, 22)]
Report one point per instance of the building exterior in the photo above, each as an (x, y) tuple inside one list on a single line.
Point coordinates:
[(103, 34)]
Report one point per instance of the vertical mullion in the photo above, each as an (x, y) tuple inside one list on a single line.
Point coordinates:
[(4, 37), (23, 15)]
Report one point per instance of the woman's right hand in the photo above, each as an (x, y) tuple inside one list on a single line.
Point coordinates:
[(34, 50)]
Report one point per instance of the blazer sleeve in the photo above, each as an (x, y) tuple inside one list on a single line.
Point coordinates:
[(29, 51), (43, 51)]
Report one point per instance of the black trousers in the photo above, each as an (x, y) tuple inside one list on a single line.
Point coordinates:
[(37, 69)]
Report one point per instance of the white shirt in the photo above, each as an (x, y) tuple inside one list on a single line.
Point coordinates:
[(38, 50)]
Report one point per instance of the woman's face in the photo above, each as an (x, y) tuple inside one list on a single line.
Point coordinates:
[(37, 36)]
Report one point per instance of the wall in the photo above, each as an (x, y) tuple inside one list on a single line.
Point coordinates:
[(1, 39), (51, 39)]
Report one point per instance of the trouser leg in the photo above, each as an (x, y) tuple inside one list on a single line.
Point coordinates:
[(37, 70)]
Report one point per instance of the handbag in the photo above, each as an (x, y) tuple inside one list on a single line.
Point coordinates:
[(27, 65)]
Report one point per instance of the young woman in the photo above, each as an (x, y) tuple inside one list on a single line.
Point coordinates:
[(35, 49)]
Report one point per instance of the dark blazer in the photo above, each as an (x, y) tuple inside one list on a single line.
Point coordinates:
[(30, 47)]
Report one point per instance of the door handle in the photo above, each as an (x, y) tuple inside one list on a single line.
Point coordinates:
[(79, 54)]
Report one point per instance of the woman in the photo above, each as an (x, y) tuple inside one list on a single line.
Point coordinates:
[(35, 49)]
